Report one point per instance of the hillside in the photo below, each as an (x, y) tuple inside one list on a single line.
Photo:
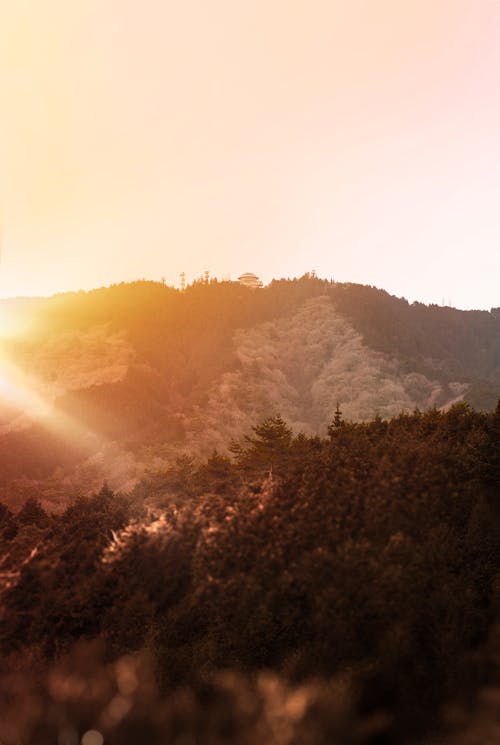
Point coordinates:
[(110, 383), (328, 573)]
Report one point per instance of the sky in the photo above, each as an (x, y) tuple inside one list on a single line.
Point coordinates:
[(356, 138)]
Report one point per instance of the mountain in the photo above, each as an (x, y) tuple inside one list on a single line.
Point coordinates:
[(121, 380)]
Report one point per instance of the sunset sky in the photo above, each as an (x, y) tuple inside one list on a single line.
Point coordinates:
[(360, 139)]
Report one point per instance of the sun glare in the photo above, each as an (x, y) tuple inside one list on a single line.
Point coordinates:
[(18, 391), (12, 325), (27, 396), (24, 398)]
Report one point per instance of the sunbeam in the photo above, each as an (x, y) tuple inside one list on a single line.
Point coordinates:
[(29, 398)]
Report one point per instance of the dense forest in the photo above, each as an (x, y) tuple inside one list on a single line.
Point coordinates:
[(125, 379), (295, 588)]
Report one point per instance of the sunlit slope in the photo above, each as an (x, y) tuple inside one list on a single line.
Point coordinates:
[(144, 372), (302, 365)]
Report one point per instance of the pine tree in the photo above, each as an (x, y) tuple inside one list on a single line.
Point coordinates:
[(267, 450), (337, 421)]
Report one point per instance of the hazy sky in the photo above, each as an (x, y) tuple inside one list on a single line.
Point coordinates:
[(357, 138)]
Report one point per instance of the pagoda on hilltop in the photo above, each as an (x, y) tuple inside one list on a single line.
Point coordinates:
[(250, 280)]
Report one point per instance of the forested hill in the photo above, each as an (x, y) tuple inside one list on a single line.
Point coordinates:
[(129, 377)]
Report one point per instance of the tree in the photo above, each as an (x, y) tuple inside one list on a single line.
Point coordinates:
[(32, 513), (268, 450), (337, 421)]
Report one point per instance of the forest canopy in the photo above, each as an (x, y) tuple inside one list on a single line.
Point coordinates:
[(369, 556)]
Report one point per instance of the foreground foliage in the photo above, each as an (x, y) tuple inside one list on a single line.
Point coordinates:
[(371, 557)]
